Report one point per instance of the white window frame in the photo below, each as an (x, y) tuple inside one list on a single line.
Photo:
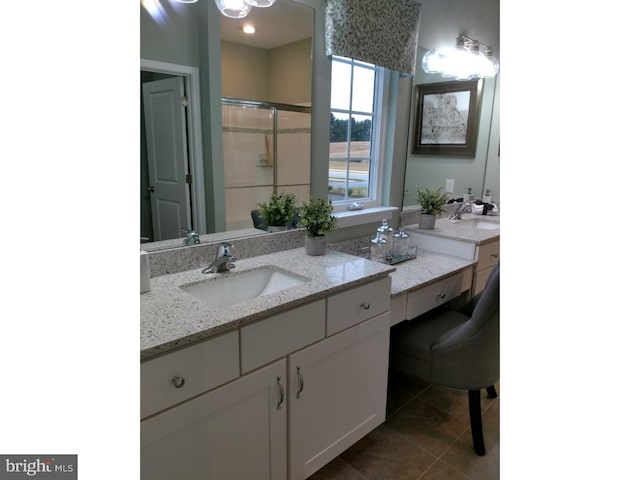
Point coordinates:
[(376, 165)]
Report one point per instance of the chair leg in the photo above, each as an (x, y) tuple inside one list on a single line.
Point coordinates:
[(491, 391), (475, 415)]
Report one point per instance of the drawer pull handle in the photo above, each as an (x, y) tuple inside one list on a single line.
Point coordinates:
[(442, 295), (300, 382), (178, 381), (279, 406), (365, 305), (494, 255)]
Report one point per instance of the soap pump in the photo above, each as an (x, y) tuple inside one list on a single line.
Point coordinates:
[(386, 231), (379, 248), (487, 196), (468, 197)]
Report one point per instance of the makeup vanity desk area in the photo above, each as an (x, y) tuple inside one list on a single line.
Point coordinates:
[(426, 282)]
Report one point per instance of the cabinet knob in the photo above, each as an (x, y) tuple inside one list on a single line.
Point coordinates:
[(442, 295), (178, 381), (365, 305)]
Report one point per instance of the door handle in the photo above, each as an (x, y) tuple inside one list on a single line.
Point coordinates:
[(151, 189)]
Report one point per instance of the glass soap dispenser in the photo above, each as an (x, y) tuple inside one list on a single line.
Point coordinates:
[(400, 243), (379, 249), (387, 232)]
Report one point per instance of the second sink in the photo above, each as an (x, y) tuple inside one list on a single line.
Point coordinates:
[(231, 288)]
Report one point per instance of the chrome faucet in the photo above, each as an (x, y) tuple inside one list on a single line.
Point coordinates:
[(191, 237), (461, 209), (223, 261)]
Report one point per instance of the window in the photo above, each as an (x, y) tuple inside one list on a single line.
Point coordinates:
[(354, 159)]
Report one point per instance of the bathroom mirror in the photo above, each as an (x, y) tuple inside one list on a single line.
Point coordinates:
[(283, 37)]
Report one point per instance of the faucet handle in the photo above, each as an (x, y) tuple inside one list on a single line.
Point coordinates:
[(191, 237)]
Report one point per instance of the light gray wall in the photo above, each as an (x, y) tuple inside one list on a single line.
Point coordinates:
[(440, 23)]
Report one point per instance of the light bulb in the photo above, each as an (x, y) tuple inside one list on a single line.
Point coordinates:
[(432, 61), (233, 8), (260, 3)]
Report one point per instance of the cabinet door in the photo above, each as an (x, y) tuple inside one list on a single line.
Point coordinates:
[(338, 394), (237, 431)]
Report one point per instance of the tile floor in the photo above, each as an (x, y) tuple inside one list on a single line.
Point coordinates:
[(426, 437)]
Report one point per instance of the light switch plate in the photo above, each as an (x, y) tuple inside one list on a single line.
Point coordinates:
[(448, 187)]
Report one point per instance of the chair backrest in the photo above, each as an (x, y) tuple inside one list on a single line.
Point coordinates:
[(257, 220), (470, 353)]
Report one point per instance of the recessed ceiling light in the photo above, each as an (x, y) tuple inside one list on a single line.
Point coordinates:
[(249, 29)]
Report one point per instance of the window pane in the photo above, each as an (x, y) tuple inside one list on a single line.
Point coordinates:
[(337, 180), (360, 136), (340, 85), (358, 179), (363, 83), (338, 132)]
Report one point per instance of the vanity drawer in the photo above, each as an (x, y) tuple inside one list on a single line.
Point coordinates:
[(488, 255), (431, 296), (277, 336), (178, 376), (358, 304)]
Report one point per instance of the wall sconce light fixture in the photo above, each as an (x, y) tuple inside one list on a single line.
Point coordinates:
[(470, 59), (236, 8)]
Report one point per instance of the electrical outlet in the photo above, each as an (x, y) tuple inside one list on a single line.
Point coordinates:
[(448, 188)]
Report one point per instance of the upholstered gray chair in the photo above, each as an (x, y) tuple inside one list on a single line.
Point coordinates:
[(456, 349), (258, 222)]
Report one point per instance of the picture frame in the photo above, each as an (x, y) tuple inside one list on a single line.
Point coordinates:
[(446, 120)]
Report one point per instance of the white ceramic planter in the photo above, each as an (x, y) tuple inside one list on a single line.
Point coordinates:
[(315, 245), (426, 222)]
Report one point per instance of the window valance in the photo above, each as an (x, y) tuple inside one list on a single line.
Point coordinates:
[(382, 32)]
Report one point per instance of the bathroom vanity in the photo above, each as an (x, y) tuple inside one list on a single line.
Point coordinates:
[(278, 385), (274, 387)]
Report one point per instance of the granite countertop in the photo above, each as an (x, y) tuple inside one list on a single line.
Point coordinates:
[(427, 268), (465, 230), (171, 318)]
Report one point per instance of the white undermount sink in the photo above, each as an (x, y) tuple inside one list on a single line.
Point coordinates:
[(232, 287), (485, 225), (482, 223)]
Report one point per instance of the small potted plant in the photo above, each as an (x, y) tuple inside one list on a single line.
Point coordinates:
[(432, 203), (316, 217), (278, 211)]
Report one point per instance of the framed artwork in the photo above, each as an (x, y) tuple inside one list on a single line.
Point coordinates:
[(447, 118)]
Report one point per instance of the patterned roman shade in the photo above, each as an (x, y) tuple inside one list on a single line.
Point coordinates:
[(381, 32)]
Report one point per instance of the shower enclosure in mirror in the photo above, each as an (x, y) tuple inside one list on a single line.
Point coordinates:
[(266, 146)]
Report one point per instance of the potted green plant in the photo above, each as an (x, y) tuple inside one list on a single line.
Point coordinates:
[(432, 203), (316, 217), (277, 212)]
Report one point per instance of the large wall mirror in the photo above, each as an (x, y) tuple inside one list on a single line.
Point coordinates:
[(265, 84)]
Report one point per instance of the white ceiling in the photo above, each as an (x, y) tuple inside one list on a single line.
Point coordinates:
[(283, 23), (440, 23)]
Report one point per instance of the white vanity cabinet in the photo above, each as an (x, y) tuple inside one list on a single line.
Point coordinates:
[(301, 387), (487, 256), (337, 394), (238, 431)]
